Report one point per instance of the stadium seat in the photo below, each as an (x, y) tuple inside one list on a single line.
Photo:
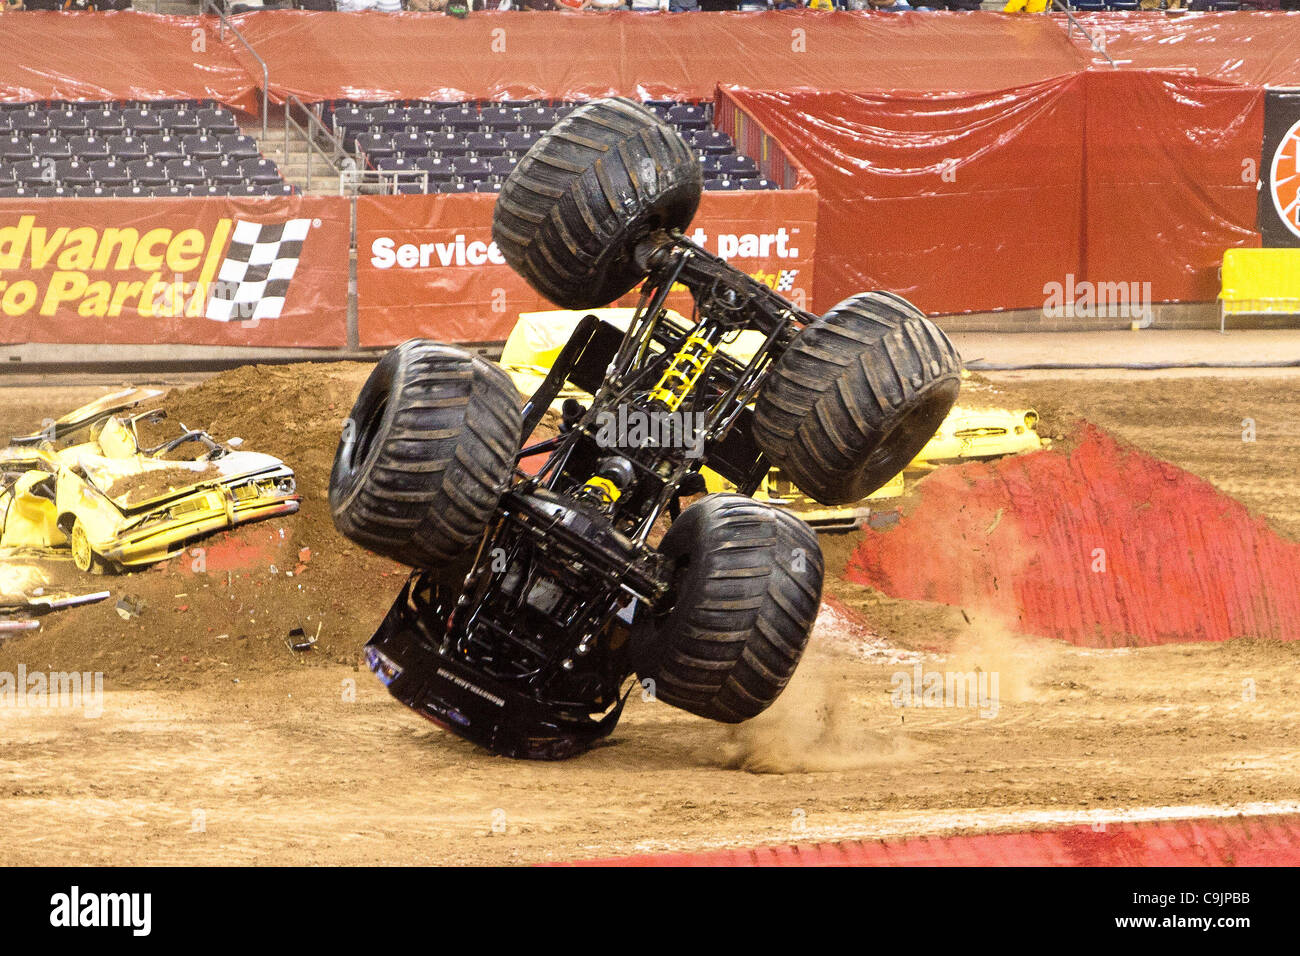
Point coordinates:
[(181, 120), (224, 172), (200, 146), (127, 148), (35, 172), (186, 172), (519, 141), (105, 122), (110, 173), (439, 169), (72, 172), (391, 119), (68, 122), (15, 149), (161, 147), (215, 122), (238, 146), (688, 116), (141, 121), (147, 172), (29, 122), (89, 147), (410, 143), (463, 117), (736, 165), (260, 171), (51, 145)]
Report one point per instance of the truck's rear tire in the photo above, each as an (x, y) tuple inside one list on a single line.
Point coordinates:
[(426, 453), (856, 396), (573, 210), (747, 586)]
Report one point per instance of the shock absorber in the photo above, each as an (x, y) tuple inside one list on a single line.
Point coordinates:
[(684, 371), (613, 476)]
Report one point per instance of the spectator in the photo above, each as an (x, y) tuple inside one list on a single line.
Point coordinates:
[(891, 5), (427, 6)]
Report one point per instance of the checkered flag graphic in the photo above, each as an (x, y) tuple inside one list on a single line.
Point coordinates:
[(785, 281), (254, 278)]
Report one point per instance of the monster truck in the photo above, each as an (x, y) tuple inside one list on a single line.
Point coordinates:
[(543, 595)]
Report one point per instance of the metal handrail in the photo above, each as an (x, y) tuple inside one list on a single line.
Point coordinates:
[(1069, 31), (314, 132), (224, 23), (351, 181)]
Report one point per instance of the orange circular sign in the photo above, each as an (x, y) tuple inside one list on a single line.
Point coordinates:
[(1284, 180)]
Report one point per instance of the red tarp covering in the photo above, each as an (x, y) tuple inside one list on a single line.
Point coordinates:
[(1171, 180), (516, 54), (1101, 545), (976, 202), (1240, 840), (1248, 47), (427, 266), (142, 271), (121, 55), (960, 202)]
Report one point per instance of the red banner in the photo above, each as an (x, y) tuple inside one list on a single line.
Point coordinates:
[(121, 55), (518, 54), (248, 272), (427, 266)]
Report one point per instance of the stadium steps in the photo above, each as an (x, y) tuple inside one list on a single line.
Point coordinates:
[(293, 165)]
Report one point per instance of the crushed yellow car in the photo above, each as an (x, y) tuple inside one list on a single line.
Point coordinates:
[(85, 483), (966, 434)]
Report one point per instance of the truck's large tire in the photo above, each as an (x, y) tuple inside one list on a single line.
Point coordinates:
[(856, 396), (572, 211), (747, 586), (427, 451)]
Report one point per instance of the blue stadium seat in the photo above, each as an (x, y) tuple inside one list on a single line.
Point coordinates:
[(217, 121), (185, 171), (201, 146), (225, 172), (238, 146), (163, 147), (147, 172), (182, 120), (260, 171)]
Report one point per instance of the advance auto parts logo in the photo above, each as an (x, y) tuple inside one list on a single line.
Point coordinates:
[(237, 271), (1284, 179)]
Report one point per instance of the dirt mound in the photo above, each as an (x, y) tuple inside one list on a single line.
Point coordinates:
[(227, 605), (1094, 542)]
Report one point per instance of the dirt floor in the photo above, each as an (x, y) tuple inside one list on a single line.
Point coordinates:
[(215, 742)]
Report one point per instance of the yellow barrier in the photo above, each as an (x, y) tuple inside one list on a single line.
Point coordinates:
[(1259, 282)]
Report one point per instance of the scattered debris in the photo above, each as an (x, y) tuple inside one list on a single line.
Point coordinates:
[(129, 607), (299, 641)]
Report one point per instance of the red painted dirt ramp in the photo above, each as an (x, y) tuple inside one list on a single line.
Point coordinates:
[(1243, 841), (1101, 545)]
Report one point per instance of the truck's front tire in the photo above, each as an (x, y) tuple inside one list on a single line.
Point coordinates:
[(747, 581), (426, 453), (856, 396)]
